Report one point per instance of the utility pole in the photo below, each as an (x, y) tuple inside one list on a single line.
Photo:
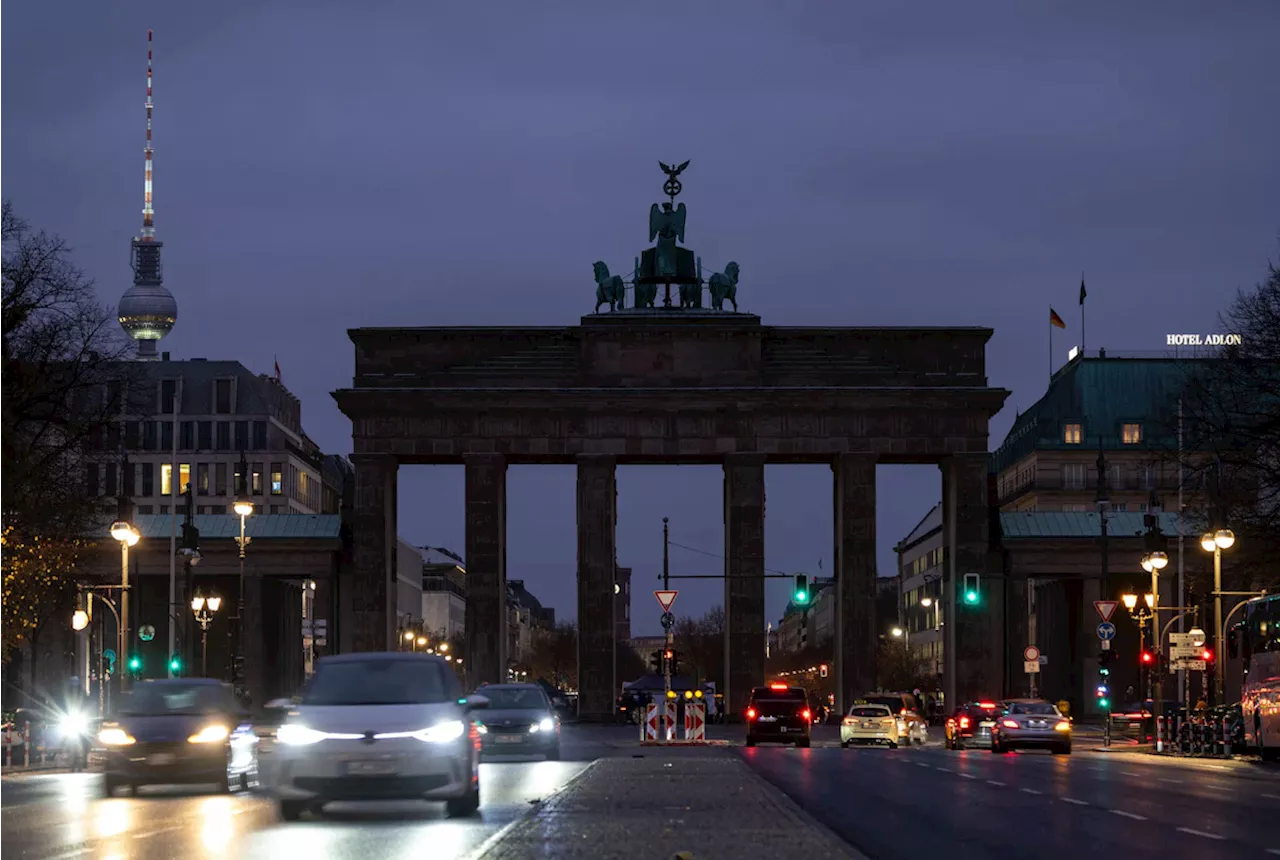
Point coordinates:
[(666, 556), (1103, 499)]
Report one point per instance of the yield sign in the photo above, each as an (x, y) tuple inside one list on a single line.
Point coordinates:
[(1105, 608), (666, 599)]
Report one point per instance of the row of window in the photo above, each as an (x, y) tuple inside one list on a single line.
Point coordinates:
[(223, 400), (107, 479), (192, 436), (1073, 434), (163, 510), (1083, 476), (929, 560), (1116, 507)]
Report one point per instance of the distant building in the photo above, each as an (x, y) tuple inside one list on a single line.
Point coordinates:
[(622, 604), (409, 602), (216, 412), (525, 614), (810, 624), (444, 592), (918, 590)]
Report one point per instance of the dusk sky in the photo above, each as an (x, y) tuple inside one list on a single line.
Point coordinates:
[(325, 165)]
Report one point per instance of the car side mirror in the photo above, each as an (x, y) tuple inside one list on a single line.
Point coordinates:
[(475, 702)]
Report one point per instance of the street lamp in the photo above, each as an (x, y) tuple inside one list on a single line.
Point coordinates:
[(1215, 542), (1141, 615), (243, 506), (204, 608), (128, 536)]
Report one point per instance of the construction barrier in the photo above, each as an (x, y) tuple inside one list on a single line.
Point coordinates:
[(660, 721), (1160, 734), (695, 721)]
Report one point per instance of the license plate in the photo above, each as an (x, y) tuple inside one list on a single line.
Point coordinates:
[(784, 729), (868, 725), (371, 767), (161, 759), (986, 724), (768, 719), (508, 739)]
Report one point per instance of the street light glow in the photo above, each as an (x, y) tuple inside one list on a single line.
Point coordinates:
[(79, 619), (897, 631), (242, 507), (926, 602), (125, 533), (1225, 538)]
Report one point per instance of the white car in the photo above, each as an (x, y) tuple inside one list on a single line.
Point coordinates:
[(379, 726)]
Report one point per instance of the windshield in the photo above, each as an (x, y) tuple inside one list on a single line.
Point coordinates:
[(515, 699), (150, 700), (893, 703), (764, 694), (1035, 709), (870, 711), (379, 681)]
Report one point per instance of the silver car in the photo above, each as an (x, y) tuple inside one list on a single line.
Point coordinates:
[(1031, 723), (381, 726)]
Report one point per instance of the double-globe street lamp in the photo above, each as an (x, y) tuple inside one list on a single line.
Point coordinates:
[(204, 609), (128, 536), (1215, 542), (243, 507)]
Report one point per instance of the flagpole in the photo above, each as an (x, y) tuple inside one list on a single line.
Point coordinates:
[(1050, 343), (1083, 351)]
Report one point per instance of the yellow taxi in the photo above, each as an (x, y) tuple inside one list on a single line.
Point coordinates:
[(869, 723)]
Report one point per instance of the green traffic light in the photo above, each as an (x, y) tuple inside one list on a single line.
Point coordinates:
[(802, 597), (1104, 703), (175, 665), (135, 663), (971, 597)]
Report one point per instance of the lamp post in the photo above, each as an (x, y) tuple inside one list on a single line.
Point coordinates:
[(1141, 615), (1154, 561), (1215, 542), (204, 608), (128, 536), (243, 506)]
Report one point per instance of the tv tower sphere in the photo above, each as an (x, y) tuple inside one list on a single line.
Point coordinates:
[(147, 312)]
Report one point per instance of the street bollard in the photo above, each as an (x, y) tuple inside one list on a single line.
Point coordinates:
[(1160, 734), (1177, 734), (1226, 737)]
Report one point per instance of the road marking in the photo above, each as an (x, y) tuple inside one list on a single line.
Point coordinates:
[(148, 834), (946, 770), (1200, 833), (1272, 796), (1273, 850), (995, 782), (1032, 791), (968, 776), (1173, 781), (1132, 815), (921, 764), (1129, 773), (1073, 800)]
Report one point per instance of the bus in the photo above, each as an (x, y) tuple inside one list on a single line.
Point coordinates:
[(1258, 638)]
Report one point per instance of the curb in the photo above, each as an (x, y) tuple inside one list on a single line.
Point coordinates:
[(534, 808)]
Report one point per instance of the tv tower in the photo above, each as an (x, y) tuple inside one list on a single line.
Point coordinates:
[(147, 311)]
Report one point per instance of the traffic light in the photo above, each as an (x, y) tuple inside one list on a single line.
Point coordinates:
[(134, 664), (1207, 655), (175, 665), (1146, 657), (971, 593), (800, 594), (1102, 693), (674, 657), (655, 662)]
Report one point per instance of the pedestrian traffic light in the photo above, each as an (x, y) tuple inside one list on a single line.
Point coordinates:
[(135, 664), (800, 594), (175, 665), (1103, 692), (971, 593)]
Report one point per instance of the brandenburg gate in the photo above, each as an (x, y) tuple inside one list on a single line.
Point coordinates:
[(668, 381)]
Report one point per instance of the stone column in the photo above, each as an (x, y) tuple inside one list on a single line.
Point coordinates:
[(857, 633), (486, 558), (254, 647), (975, 634), (373, 590), (744, 632), (597, 554)]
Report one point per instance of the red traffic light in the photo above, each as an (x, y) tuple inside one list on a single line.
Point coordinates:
[(1207, 655), (1147, 657), (668, 655)]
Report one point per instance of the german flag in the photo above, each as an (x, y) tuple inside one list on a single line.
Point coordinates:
[(1055, 320)]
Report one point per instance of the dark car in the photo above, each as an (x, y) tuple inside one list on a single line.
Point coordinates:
[(1031, 723), (778, 713), (180, 731), (971, 725), (520, 720)]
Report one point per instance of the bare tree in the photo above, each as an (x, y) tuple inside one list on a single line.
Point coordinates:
[(553, 655)]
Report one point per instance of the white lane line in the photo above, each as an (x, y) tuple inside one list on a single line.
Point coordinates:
[(921, 764), (1200, 833), (1273, 851), (1172, 781), (995, 782), (80, 852), (1129, 773), (149, 833), (1073, 800), (1272, 796), (946, 770), (1132, 815), (968, 776), (1031, 791)]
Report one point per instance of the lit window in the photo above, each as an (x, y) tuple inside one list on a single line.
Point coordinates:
[(277, 479), (1072, 434), (166, 478), (1131, 434)]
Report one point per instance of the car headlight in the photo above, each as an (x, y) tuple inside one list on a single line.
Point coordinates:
[(210, 735), (295, 735), (1063, 726), (442, 733), (546, 724), (115, 737), (73, 725)]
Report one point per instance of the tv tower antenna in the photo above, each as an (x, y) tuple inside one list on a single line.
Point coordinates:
[(147, 311)]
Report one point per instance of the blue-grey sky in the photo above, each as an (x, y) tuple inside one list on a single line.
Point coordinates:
[(321, 165)]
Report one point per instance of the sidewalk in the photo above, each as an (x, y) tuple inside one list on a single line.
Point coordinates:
[(701, 804)]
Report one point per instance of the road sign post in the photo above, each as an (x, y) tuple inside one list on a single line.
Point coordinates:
[(1106, 631), (1031, 663), (667, 599), (1106, 608)]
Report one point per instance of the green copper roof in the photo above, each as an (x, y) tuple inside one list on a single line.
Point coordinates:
[(1084, 524), (1102, 395), (258, 527)]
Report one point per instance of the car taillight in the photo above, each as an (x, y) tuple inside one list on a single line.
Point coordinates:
[(964, 722), (805, 714), (1009, 724), (751, 713)]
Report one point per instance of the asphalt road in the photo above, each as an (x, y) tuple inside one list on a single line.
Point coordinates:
[(65, 816), (927, 802)]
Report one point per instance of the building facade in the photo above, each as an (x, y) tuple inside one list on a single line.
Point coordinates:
[(409, 592), (190, 423), (444, 592), (919, 601), (525, 616)]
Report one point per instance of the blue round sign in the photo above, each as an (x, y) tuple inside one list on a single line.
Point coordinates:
[(1106, 631), (109, 655)]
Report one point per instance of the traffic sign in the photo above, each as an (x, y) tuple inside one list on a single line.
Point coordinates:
[(109, 655), (1105, 608), (146, 633), (1188, 639), (1031, 666), (1183, 652), (1191, 665), (666, 599), (668, 621), (1106, 631), (1031, 654), (1043, 661)]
